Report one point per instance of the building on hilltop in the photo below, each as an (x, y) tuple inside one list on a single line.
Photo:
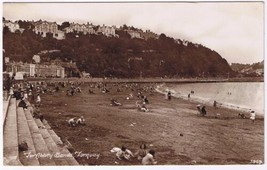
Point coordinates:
[(12, 26), (43, 28), (134, 34), (85, 29), (148, 34), (107, 31)]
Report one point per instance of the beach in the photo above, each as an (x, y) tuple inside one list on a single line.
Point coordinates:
[(173, 128)]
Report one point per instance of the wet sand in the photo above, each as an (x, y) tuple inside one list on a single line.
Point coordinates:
[(179, 135)]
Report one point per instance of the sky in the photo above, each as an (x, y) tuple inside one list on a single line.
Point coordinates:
[(234, 29)]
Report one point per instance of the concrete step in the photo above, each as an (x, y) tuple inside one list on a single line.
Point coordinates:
[(60, 144), (45, 157), (10, 141), (24, 134), (5, 109), (52, 146)]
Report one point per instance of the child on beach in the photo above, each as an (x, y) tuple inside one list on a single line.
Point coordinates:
[(141, 153), (149, 158)]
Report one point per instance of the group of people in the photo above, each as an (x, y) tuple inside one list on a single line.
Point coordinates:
[(142, 154), (25, 93), (76, 121)]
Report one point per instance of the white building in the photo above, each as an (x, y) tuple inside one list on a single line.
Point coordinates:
[(84, 28), (43, 28), (107, 30), (13, 26)]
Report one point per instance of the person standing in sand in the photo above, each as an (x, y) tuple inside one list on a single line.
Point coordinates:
[(169, 95), (252, 116)]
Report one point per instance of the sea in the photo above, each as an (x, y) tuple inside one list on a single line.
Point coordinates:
[(245, 96)]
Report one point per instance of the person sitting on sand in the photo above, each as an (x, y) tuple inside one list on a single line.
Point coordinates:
[(143, 108), (145, 100), (242, 115), (80, 121), (130, 96), (142, 152), (72, 122), (252, 116), (105, 90), (91, 91), (149, 158), (115, 103), (122, 153), (72, 91), (79, 89)]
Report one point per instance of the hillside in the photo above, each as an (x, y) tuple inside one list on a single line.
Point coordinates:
[(255, 69), (119, 57)]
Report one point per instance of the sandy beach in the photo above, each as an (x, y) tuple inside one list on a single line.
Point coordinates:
[(173, 128)]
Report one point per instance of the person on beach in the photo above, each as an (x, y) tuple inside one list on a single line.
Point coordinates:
[(72, 122), (142, 152), (242, 115), (91, 91), (203, 111), (188, 96), (169, 95), (38, 115), (145, 100), (11, 92), (252, 116), (215, 104), (141, 106), (149, 158), (124, 153), (80, 121), (114, 102), (38, 99)]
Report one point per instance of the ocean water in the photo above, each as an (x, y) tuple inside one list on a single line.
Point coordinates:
[(240, 95)]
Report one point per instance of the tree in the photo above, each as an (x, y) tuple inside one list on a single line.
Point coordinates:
[(64, 25)]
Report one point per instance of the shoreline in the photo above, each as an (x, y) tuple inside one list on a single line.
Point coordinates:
[(148, 80), (239, 108)]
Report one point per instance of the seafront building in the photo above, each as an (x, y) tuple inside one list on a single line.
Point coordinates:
[(36, 70)]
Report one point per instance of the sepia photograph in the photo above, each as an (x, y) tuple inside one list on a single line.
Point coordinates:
[(133, 83)]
